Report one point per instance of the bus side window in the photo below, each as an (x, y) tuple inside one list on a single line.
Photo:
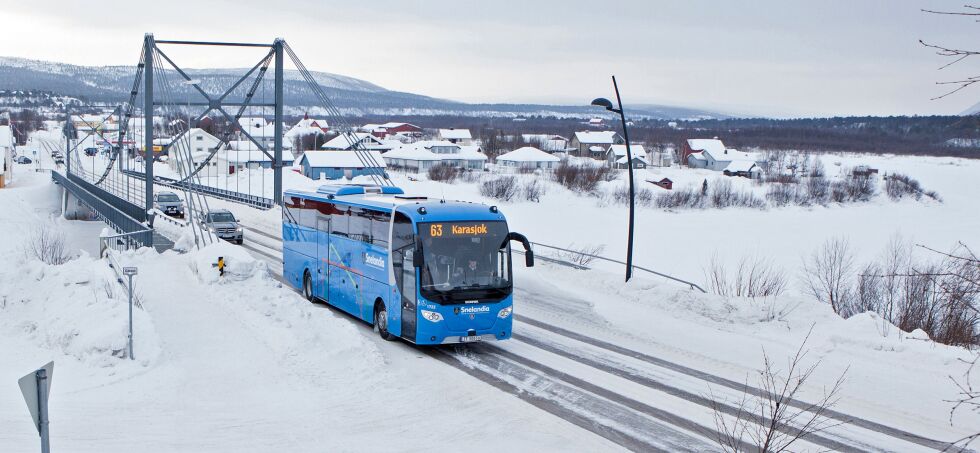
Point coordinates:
[(360, 225), (379, 228), (339, 222)]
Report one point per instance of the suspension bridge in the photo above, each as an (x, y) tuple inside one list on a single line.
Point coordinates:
[(114, 163)]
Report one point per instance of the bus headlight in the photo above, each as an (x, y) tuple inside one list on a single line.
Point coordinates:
[(505, 312), (431, 315)]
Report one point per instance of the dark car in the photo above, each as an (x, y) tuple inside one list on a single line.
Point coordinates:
[(23, 160), (169, 203), (224, 225), (91, 151)]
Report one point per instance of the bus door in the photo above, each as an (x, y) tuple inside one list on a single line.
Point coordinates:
[(320, 285), (405, 277)]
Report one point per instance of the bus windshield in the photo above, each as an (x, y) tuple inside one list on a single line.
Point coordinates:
[(464, 261)]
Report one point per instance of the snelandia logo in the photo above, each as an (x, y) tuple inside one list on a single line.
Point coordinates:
[(374, 260), (483, 309)]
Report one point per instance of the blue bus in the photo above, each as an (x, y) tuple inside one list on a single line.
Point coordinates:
[(427, 271)]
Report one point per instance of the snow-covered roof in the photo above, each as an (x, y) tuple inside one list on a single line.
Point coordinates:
[(455, 134), (730, 155), (252, 122), (706, 144), (307, 126), (697, 156), (341, 159), (622, 160), (596, 137), (740, 165), (596, 149), (620, 150), (345, 142), (527, 154), (423, 151)]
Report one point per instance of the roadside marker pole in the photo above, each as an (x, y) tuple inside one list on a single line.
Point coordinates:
[(130, 272), (42, 408)]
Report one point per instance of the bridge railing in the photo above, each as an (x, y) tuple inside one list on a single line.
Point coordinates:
[(136, 234)]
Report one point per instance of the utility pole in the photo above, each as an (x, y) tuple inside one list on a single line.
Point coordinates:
[(148, 52), (277, 146), (67, 140)]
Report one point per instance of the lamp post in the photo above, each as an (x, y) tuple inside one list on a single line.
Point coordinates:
[(603, 102)]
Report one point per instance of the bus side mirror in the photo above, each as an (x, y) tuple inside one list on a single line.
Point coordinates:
[(417, 255), (528, 253)]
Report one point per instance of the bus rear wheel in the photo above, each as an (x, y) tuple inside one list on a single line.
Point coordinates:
[(307, 286), (381, 321)]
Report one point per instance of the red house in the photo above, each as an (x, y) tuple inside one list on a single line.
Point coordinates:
[(386, 129), (665, 183)]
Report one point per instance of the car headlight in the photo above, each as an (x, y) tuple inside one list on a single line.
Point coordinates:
[(238, 229), (505, 312), (431, 315)]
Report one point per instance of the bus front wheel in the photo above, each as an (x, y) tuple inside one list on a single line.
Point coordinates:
[(381, 321), (307, 286)]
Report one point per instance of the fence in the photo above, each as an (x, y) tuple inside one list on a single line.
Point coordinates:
[(136, 233), (119, 242), (583, 267), (230, 195)]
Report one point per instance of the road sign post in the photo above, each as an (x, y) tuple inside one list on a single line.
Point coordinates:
[(130, 271), (36, 387)]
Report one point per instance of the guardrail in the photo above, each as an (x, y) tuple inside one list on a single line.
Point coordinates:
[(583, 267), (119, 242), (136, 233), (230, 195)]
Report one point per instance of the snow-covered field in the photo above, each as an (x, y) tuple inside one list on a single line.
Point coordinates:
[(242, 364)]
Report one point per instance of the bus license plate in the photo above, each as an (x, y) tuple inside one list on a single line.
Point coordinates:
[(472, 339)]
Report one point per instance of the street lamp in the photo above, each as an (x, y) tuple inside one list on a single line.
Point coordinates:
[(605, 103)]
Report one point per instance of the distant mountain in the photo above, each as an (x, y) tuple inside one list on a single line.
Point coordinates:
[(352, 96), (975, 109)]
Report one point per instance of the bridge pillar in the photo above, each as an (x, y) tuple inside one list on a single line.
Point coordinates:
[(73, 209)]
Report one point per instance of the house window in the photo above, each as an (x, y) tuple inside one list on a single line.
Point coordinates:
[(199, 138)]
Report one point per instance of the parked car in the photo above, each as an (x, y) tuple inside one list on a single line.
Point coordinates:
[(23, 160), (91, 151), (169, 203), (223, 224)]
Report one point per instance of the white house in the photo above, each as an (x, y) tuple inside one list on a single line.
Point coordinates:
[(420, 156), (527, 158), (594, 144), (241, 154), (307, 126), (547, 142), (459, 136), (366, 141), (616, 156), (713, 155), (340, 164), (6, 155), (199, 143)]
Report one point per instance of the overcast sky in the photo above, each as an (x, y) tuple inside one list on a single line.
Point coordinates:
[(775, 58)]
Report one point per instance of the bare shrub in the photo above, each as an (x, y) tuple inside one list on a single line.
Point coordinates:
[(621, 195), (817, 169), (899, 186), (533, 190), (444, 173), (503, 188), (582, 256), (48, 245), (828, 274), (753, 277), (853, 189), (781, 194), (581, 178), (471, 176), (680, 198), (817, 189), (781, 178), (771, 418)]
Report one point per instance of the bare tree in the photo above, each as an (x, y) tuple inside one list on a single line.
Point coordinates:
[(969, 399), (957, 55), (770, 422), (828, 273), (753, 277), (48, 245)]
